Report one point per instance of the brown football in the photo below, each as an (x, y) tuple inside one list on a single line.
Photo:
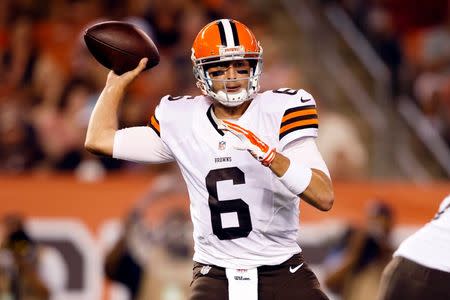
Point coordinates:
[(120, 46)]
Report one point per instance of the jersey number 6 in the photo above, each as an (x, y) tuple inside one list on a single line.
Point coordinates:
[(237, 206)]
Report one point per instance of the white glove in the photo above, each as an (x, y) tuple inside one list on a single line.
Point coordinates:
[(250, 142)]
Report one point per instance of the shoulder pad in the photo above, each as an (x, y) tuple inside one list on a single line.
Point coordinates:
[(169, 109), (299, 118)]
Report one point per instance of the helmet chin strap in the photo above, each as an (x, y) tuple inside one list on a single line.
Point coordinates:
[(232, 100)]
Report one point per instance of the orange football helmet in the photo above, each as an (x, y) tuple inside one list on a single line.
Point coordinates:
[(226, 40)]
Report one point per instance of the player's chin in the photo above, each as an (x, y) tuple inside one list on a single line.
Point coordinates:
[(233, 90)]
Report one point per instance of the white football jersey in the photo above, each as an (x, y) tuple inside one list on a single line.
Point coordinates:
[(242, 215), (430, 245)]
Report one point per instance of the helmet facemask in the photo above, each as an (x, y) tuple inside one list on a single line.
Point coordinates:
[(205, 81)]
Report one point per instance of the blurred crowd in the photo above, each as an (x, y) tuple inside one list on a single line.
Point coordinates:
[(148, 260), (49, 81), (355, 262), (27, 267), (413, 39)]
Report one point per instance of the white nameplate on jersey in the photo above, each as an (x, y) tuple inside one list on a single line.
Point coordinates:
[(242, 284)]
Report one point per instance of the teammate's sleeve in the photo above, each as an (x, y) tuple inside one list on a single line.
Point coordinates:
[(299, 119), (305, 152), (141, 144), (445, 202)]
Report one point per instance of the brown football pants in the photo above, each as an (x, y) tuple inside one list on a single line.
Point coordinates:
[(405, 279), (274, 282)]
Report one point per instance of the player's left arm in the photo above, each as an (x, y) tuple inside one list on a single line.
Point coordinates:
[(304, 179), (297, 162), (302, 170)]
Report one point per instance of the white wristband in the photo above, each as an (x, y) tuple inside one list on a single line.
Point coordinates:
[(296, 178)]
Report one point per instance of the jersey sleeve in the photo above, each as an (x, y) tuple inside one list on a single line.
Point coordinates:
[(143, 143), (299, 119), (305, 152), (153, 122), (140, 144)]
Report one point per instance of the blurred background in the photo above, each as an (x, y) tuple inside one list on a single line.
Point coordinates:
[(78, 226)]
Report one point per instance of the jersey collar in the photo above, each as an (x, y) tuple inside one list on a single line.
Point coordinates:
[(211, 118)]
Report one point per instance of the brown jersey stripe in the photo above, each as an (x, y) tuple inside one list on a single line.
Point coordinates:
[(155, 120), (297, 108), (297, 128), (298, 118), (235, 33), (154, 124), (299, 111), (298, 124), (213, 123), (223, 39)]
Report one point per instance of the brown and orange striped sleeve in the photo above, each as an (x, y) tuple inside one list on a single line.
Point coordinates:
[(298, 118), (154, 124)]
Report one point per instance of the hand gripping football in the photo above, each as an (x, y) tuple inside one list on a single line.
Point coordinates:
[(120, 46)]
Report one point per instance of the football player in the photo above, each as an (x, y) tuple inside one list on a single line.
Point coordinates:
[(247, 159), (420, 268)]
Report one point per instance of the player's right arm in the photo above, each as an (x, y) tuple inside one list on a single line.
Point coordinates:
[(103, 123)]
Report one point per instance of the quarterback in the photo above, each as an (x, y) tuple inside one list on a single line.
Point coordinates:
[(246, 157)]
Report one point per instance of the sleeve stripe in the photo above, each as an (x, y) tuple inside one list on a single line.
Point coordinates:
[(286, 132), (154, 124), (299, 111), (299, 118), (299, 108), (299, 123)]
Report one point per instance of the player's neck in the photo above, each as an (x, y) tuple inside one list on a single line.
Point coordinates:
[(226, 112)]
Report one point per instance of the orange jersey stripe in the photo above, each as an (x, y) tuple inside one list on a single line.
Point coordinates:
[(155, 124), (299, 123), (300, 113)]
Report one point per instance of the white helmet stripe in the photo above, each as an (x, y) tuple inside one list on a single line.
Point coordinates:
[(228, 32)]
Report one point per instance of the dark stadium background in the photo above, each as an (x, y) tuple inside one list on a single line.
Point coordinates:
[(374, 67)]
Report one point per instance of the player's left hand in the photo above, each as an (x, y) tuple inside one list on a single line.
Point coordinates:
[(250, 142)]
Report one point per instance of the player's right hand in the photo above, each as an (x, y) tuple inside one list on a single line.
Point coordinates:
[(250, 142), (126, 78)]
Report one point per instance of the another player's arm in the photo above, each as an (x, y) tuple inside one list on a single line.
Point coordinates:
[(319, 192), (103, 123)]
